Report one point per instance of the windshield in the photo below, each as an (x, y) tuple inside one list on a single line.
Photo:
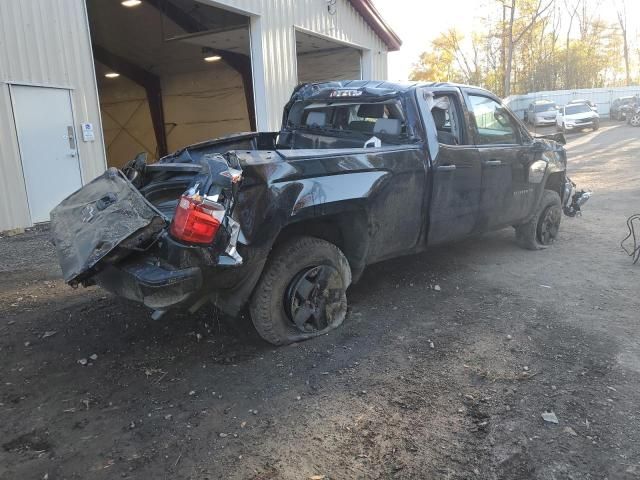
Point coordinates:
[(572, 109), (545, 107), (348, 119)]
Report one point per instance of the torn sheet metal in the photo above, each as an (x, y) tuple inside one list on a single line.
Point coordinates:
[(231, 250), (92, 222), (574, 199)]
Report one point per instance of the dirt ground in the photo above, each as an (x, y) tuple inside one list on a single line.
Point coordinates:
[(419, 383)]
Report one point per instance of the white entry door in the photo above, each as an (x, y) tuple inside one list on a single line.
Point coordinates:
[(48, 146)]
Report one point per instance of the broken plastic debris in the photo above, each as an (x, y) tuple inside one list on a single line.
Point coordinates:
[(373, 142), (232, 173), (550, 417)]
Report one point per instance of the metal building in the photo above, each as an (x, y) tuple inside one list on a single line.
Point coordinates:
[(86, 84)]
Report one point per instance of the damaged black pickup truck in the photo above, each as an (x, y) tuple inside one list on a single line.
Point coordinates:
[(284, 222)]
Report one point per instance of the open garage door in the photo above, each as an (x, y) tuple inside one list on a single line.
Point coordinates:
[(320, 59), (170, 73)]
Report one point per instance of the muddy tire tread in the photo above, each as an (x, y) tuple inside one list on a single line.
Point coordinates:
[(527, 233), (267, 322)]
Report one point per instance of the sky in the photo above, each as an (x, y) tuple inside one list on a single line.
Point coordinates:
[(417, 22)]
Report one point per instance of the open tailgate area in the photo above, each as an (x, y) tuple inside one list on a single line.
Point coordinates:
[(104, 222)]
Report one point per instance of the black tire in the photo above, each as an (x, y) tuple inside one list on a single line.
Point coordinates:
[(542, 229), (634, 120), (564, 129), (302, 265), (596, 125)]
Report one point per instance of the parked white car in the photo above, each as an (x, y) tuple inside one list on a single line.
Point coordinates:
[(576, 101), (577, 116)]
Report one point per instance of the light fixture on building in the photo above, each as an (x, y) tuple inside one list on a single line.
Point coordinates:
[(130, 3), (112, 75), (209, 55)]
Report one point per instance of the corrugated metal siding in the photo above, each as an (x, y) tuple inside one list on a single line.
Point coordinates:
[(278, 21), (602, 97), (44, 43)]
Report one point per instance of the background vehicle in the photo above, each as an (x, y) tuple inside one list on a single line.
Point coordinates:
[(542, 112), (633, 115), (283, 223), (577, 116), (581, 101), (619, 107)]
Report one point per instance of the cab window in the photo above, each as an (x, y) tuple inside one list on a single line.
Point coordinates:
[(494, 124)]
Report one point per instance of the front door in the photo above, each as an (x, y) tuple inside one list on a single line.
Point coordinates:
[(504, 161), (48, 148), (455, 195)]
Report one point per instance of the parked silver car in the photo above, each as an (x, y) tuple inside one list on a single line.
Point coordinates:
[(542, 112)]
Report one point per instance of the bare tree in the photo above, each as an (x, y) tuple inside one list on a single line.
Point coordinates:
[(622, 20), (513, 38), (573, 11)]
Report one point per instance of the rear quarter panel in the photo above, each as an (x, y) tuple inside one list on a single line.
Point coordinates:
[(386, 185)]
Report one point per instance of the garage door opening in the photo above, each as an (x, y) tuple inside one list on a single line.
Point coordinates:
[(321, 60), (170, 73)]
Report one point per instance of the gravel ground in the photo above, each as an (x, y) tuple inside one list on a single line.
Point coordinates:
[(420, 382)]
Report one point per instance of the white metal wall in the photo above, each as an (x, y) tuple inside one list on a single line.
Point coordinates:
[(602, 97), (47, 43), (273, 45), (44, 43)]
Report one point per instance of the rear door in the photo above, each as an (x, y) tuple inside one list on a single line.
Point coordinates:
[(455, 194), (505, 194)]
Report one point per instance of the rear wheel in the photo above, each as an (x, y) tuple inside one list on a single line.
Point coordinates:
[(541, 230), (302, 291), (634, 121)]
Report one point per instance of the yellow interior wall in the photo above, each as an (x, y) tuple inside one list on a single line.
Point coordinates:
[(342, 64), (198, 106)]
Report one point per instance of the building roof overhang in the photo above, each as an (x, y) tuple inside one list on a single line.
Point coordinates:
[(377, 23)]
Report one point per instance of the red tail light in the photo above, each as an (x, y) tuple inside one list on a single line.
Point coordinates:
[(195, 220)]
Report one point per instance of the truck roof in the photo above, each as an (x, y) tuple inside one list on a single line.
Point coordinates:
[(375, 87)]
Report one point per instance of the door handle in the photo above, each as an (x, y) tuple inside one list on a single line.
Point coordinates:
[(492, 163), (70, 136), (446, 168)]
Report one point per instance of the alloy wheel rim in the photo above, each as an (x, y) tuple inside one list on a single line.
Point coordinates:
[(311, 298)]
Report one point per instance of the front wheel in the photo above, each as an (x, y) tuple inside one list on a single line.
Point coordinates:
[(302, 291), (596, 125), (541, 230), (634, 121)]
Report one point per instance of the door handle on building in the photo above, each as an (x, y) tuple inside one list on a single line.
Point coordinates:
[(71, 137)]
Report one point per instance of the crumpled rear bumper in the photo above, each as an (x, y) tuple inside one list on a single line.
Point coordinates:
[(151, 282)]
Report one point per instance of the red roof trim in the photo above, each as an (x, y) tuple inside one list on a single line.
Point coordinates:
[(377, 23)]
